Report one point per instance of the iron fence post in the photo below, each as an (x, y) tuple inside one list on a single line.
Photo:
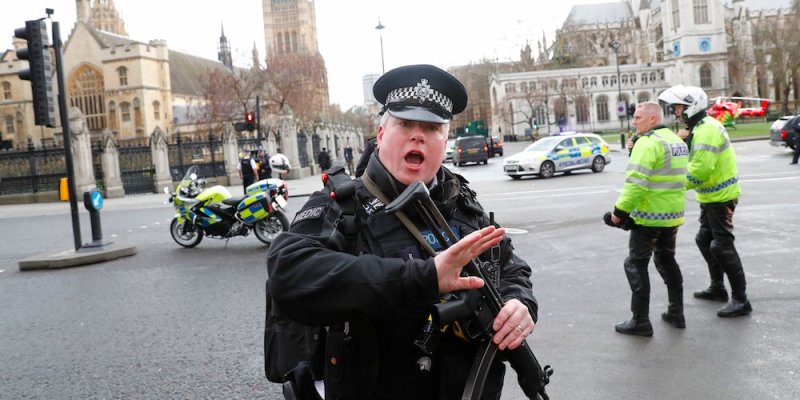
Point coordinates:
[(32, 164), (211, 146), (180, 153)]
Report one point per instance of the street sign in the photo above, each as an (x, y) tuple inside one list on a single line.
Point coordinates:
[(621, 111)]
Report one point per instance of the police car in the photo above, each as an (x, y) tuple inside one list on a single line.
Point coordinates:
[(561, 153)]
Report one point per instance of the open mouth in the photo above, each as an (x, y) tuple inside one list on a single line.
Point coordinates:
[(414, 157)]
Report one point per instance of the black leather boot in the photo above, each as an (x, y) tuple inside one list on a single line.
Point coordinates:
[(674, 314), (676, 320), (736, 308), (638, 325), (715, 292)]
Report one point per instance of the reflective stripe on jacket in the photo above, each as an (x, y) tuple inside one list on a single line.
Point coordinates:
[(655, 186), (712, 170)]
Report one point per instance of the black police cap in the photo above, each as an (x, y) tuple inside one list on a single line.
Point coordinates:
[(420, 93)]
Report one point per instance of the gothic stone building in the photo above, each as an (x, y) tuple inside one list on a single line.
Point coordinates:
[(607, 56), (127, 86)]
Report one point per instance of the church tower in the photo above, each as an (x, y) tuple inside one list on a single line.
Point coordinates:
[(290, 38), (696, 43), (104, 16), (224, 50), (290, 27)]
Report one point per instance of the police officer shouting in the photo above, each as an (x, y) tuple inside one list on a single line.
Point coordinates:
[(372, 285), (653, 198), (713, 174)]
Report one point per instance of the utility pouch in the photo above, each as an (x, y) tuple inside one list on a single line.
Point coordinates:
[(286, 344), (351, 360)]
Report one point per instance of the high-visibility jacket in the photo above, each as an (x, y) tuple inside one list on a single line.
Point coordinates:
[(655, 185), (712, 171)]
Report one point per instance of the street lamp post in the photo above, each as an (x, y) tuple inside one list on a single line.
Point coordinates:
[(380, 33), (615, 45)]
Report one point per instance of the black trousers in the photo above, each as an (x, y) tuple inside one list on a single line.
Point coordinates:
[(796, 155), (659, 242), (715, 241)]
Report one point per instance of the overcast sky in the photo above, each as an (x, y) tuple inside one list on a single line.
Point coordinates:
[(440, 32)]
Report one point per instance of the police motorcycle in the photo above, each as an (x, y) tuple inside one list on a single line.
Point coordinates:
[(215, 213)]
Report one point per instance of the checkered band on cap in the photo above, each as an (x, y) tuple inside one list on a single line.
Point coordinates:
[(422, 93)]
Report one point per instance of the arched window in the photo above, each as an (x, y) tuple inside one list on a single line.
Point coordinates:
[(582, 109), (613, 80), (652, 76), (700, 11), (642, 97), (584, 83), (122, 72), (705, 76), (125, 111), (624, 79), (156, 110), (532, 86), (86, 92), (280, 43), (604, 80), (602, 108), (593, 81), (10, 126), (6, 90), (294, 42), (676, 14), (523, 87), (137, 113), (633, 79), (644, 77), (112, 116)]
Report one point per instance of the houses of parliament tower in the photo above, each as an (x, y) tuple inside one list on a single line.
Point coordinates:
[(290, 37)]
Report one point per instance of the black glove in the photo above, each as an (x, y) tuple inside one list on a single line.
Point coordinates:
[(625, 221)]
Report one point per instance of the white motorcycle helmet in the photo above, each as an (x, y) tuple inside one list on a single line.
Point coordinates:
[(694, 98), (279, 163)]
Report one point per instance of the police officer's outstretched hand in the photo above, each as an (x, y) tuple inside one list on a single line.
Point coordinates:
[(450, 262)]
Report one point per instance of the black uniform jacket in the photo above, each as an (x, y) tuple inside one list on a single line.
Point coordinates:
[(383, 280)]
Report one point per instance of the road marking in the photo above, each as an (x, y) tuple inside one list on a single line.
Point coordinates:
[(583, 193), (114, 235), (785, 178), (514, 231), (2, 270), (143, 227), (580, 189)]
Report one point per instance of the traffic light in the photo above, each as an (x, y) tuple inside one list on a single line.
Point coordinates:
[(39, 71), (250, 121), (631, 110)]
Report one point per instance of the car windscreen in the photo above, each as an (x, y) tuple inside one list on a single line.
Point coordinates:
[(471, 143), (545, 144)]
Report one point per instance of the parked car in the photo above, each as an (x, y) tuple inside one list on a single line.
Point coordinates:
[(554, 154), (783, 131), (448, 151), (495, 146), (470, 149)]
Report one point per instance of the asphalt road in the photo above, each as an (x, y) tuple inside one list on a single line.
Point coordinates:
[(188, 323)]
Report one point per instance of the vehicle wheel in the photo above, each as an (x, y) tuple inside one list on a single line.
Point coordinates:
[(515, 177), (598, 164), (485, 162), (269, 228), (547, 169), (185, 233), (459, 163)]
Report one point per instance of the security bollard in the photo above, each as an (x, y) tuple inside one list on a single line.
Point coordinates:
[(93, 201), (622, 140)]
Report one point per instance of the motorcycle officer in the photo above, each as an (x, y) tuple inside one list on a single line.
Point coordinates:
[(713, 174), (372, 285)]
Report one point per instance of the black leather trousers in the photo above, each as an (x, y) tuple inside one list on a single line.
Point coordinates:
[(659, 242), (715, 241)]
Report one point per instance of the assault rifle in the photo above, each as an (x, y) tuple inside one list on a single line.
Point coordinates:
[(480, 306)]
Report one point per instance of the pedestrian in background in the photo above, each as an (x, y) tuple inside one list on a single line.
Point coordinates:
[(248, 169), (348, 158), (713, 174), (653, 198), (324, 159)]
